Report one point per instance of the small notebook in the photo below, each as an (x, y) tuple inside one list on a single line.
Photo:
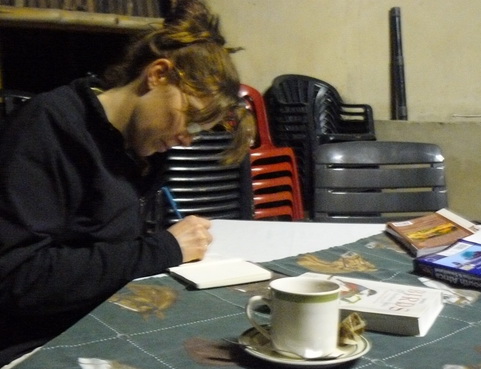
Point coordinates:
[(208, 274)]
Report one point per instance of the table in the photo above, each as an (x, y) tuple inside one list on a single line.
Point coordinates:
[(169, 325)]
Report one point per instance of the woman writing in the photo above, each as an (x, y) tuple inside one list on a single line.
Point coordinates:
[(76, 162)]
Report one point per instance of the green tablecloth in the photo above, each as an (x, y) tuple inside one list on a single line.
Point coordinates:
[(161, 323)]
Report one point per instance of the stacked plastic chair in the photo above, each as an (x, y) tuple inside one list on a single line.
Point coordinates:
[(305, 112), (275, 179), (378, 181), (201, 185)]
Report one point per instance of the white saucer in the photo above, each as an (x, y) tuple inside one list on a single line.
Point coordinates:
[(257, 345)]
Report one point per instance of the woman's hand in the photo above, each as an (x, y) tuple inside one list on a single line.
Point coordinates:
[(193, 236)]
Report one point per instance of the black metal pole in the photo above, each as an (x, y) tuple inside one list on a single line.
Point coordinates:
[(399, 110)]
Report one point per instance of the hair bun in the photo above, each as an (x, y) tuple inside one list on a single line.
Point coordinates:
[(177, 11)]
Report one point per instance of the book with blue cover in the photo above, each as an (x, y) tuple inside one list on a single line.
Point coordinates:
[(459, 265)]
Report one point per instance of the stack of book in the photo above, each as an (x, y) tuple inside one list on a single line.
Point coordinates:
[(446, 246), (431, 233)]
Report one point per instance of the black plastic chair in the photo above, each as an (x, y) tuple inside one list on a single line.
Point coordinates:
[(375, 181), (302, 100), (202, 186), (336, 121), (306, 112)]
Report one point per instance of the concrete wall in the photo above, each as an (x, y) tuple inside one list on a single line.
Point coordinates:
[(346, 43), (460, 145)]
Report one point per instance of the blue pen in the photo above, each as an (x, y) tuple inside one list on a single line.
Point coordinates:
[(172, 202)]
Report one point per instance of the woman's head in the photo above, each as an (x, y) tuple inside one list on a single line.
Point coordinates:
[(201, 66)]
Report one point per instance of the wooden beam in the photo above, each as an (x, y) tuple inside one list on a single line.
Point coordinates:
[(75, 20)]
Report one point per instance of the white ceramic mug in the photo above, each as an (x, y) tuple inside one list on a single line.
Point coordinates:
[(304, 316)]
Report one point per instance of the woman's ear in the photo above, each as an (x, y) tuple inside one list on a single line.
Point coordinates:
[(158, 71)]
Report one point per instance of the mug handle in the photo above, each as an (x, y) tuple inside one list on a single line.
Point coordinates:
[(251, 304)]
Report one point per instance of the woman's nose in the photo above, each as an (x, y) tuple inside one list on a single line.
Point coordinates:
[(184, 140)]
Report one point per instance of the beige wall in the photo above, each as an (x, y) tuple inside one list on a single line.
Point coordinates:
[(346, 43)]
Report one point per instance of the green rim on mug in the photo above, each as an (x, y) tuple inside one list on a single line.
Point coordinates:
[(306, 298)]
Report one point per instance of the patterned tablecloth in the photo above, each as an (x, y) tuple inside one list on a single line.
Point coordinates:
[(161, 323)]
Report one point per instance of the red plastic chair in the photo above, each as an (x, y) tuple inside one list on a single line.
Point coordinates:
[(275, 199), (273, 192), (267, 158), (281, 212), (275, 170), (264, 185)]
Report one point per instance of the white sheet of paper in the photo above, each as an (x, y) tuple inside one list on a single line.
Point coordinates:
[(260, 241)]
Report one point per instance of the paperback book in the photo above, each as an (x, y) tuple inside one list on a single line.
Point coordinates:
[(431, 233), (459, 265), (388, 307), (217, 273)]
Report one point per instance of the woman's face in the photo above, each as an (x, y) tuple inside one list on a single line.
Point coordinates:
[(159, 120)]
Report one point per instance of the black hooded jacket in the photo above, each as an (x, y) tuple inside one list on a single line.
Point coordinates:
[(71, 230)]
